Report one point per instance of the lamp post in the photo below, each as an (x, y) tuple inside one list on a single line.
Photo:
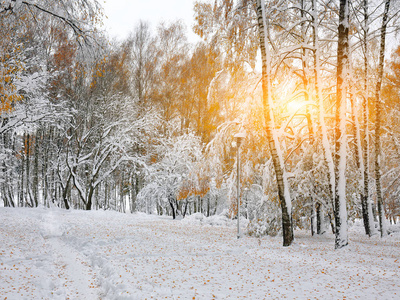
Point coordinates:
[(239, 138)]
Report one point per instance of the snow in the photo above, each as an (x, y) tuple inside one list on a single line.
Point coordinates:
[(58, 254)]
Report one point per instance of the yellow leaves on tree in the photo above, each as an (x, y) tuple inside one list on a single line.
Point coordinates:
[(9, 69), (98, 72), (184, 192), (113, 71), (202, 13), (11, 63), (65, 55), (191, 188)]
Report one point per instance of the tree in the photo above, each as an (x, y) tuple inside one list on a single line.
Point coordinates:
[(79, 16), (197, 111), (341, 238), (281, 179), (144, 61), (174, 160), (172, 53), (378, 111), (365, 198)]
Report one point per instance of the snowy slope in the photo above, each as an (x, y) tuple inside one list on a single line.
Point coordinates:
[(57, 254)]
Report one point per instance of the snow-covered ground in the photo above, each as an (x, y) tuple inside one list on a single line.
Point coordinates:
[(58, 254)]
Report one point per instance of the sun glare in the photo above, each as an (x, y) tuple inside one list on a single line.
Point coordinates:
[(294, 106)]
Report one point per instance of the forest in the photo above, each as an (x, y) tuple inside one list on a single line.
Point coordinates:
[(150, 124)]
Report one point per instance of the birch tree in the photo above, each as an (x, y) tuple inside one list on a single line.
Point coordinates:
[(378, 112), (273, 143), (365, 198), (341, 235)]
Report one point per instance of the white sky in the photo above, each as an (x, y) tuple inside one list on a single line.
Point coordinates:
[(123, 15)]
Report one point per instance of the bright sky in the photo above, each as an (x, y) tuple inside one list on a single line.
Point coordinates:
[(123, 15)]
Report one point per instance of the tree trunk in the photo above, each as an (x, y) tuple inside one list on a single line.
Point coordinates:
[(171, 203), (378, 111), (96, 197), (365, 198), (309, 154), (341, 238), (312, 219), (65, 192), (22, 175), (121, 194), (283, 188), (201, 204), (106, 196), (7, 185), (320, 219), (185, 209), (132, 193), (328, 157), (360, 164), (208, 206), (36, 170), (28, 170), (88, 204)]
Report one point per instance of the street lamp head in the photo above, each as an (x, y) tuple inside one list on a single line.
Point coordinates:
[(239, 137)]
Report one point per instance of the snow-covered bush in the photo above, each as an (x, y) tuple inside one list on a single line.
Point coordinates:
[(175, 158), (264, 226)]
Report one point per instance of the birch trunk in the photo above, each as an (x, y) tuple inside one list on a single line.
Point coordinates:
[(281, 179), (341, 238), (365, 198), (22, 185), (29, 201), (358, 153), (36, 170), (133, 193), (378, 110), (309, 155), (321, 116)]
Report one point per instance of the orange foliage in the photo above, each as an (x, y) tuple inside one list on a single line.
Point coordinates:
[(189, 188), (98, 72), (233, 208), (184, 192), (10, 67)]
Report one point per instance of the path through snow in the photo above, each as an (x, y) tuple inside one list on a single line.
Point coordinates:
[(57, 254)]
